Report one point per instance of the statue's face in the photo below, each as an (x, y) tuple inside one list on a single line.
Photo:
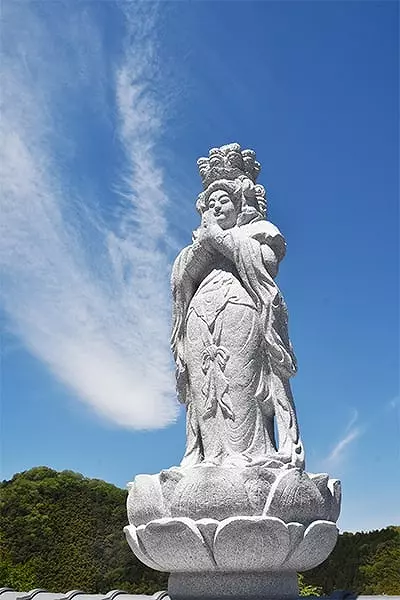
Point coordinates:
[(223, 208)]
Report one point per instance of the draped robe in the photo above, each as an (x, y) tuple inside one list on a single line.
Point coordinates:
[(232, 351)]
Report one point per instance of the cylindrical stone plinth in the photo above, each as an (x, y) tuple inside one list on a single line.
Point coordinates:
[(233, 586)]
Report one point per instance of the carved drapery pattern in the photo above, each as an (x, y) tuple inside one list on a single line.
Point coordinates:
[(216, 385)]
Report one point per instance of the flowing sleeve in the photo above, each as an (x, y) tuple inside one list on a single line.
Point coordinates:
[(182, 291), (186, 273), (243, 245)]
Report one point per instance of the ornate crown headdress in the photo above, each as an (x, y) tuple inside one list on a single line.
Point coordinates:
[(228, 162)]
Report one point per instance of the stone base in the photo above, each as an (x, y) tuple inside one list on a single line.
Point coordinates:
[(233, 586)]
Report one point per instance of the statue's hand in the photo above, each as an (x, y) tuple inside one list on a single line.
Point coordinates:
[(208, 229)]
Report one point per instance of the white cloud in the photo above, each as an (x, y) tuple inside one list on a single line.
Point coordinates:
[(103, 329), (338, 451), (351, 432)]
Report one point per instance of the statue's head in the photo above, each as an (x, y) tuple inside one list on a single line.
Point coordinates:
[(234, 202), (230, 190)]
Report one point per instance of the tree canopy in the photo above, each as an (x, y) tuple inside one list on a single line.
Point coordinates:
[(365, 563), (63, 531)]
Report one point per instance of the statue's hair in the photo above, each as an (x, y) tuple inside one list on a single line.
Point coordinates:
[(244, 193)]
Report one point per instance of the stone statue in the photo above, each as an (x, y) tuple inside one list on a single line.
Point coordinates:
[(230, 339), (240, 515)]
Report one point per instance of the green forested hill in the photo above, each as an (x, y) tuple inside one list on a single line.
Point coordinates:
[(62, 531), (367, 563)]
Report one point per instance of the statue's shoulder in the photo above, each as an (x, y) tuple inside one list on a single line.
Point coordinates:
[(262, 228), (266, 232)]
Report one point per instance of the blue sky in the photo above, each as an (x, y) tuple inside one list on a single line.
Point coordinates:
[(106, 107)]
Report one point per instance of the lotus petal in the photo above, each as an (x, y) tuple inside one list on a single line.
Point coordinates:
[(296, 534), (177, 544), (318, 542), (251, 544), (321, 481), (137, 548), (335, 488), (258, 485), (207, 528), (145, 502), (211, 492), (295, 497), (168, 481), (330, 490)]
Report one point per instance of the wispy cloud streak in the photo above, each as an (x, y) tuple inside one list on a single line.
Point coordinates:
[(338, 450), (102, 329), (351, 433)]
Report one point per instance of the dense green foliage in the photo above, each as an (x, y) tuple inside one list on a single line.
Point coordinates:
[(306, 589), (366, 563), (62, 531)]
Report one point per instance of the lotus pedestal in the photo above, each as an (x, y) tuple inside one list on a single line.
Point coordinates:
[(238, 558)]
